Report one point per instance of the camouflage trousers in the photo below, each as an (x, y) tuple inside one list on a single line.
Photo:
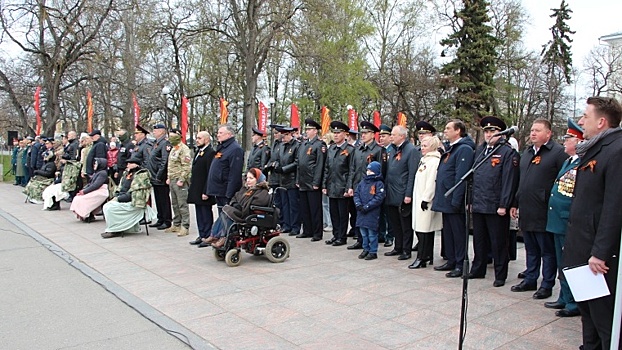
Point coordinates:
[(179, 202), (36, 186)]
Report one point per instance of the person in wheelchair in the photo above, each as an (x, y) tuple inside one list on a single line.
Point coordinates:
[(255, 192)]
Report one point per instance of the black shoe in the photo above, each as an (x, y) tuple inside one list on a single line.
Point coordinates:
[(109, 234), (363, 254), (454, 273), (350, 234), (388, 243), (418, 263), (416, 247), (567, 313), (392, 253), (196, 241), (204, 245), (542, 293), (498, 283), (523, 287), (444, 267), (474, 276), (381, 240), (522, 274), (143, 222), (330, 241), (554, 305), (371, 256), (315, 239), (302, 235), (293, 233), (164, 226), (404, 256), (339, 242), (357, 245), (156, 224)]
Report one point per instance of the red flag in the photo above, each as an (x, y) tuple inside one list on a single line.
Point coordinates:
[(262, 117), (377, 123), (184, 118), (136, 110), (295, 117), (325, 119), (89, 111), (224, 113), (401, 119), (37, 109), (353, 123)]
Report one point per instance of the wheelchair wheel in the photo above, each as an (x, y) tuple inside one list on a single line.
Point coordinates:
[(219, 255), (233, 258), (277, 249)]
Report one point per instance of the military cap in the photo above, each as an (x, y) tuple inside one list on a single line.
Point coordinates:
[(258, 132), (159, 126), (95, 132), (368, 127), (337, 126), (385, 129), (141, 129), (275, 126), (424, 127), (492, 123), (284, 129), (574, 130), (30, 138), (176, 131), (310, 123), (353, 132)]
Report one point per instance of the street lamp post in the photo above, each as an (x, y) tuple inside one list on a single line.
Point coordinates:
[(165, 94)]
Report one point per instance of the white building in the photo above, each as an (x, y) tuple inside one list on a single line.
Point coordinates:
[(614, 41)]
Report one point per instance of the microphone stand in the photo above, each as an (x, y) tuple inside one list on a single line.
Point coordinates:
[(468, 176)]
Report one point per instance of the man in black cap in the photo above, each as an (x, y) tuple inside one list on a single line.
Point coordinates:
[(99, 150), (157, 164), (274, 179), (143, 147), (287, 168), (337, 180), (260, 154), (125, 152), (494, 186), (311, 156), (385, 234), (367, 152)]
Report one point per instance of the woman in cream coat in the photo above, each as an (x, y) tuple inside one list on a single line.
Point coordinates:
[(426, 221)]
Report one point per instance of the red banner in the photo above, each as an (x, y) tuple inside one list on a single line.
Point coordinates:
[(295, 117), (224, 113), (401, 119), (353, 123), (89, 111), (184, 118), (325, 119), (377, 122), (37, 109), (262, 117), (136, 110)]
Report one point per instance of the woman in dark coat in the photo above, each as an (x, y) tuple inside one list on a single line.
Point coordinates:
[(197, 192), (255, 192)]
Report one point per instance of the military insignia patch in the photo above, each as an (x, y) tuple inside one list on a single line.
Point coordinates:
[(168, 148)]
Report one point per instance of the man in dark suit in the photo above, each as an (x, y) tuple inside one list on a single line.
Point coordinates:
[(539, 166), (593, 234), (401, 170), (197, 193)]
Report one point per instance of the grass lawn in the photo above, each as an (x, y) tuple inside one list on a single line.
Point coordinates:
[(6, 168)]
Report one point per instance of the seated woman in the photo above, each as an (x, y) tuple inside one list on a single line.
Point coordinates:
[(124, 212), (42, 178), (254, 192), (94, 194)]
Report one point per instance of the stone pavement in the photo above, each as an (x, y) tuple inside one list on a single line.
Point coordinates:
[(321, 297)]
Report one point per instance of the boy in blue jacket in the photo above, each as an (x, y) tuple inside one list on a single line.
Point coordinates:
[(368, 198)]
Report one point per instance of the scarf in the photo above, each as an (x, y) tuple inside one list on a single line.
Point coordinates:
[(584, 146)]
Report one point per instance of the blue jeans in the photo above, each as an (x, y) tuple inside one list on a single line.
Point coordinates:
[(370, 240)]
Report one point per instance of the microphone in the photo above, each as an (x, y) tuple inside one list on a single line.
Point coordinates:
[(507, 132)]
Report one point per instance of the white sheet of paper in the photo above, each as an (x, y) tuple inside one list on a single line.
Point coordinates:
[(584, 284)]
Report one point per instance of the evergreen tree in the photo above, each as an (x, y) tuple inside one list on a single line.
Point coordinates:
[(470, 75)]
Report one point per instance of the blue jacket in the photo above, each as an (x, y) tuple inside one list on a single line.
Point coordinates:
[(455, 162), (369, 195), (561, 197), (225, 173)]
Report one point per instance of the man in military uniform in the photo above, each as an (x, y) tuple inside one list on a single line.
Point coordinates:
[(385, 234), (260, 154), (494, 185), (367, 152), (561, 198), (274, 179), (336, 182), (311, 156), (178, 179), (143, 147), (287, 168), (225, 174), (157, 166), (125, 152)]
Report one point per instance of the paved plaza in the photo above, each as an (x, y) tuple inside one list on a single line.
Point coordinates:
[(322, 297)]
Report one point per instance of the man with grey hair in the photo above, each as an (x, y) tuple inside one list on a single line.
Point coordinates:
[(225, 174), (401, 170)]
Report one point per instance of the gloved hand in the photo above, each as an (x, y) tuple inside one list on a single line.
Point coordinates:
[(424, 205), (359, 207)]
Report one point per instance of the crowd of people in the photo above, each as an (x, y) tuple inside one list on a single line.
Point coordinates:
[(374, 185)]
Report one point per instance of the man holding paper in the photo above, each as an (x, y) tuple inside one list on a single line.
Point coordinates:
[(595, 222)]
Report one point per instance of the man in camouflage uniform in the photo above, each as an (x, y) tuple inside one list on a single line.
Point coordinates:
[(179, 167), (260, 154)]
